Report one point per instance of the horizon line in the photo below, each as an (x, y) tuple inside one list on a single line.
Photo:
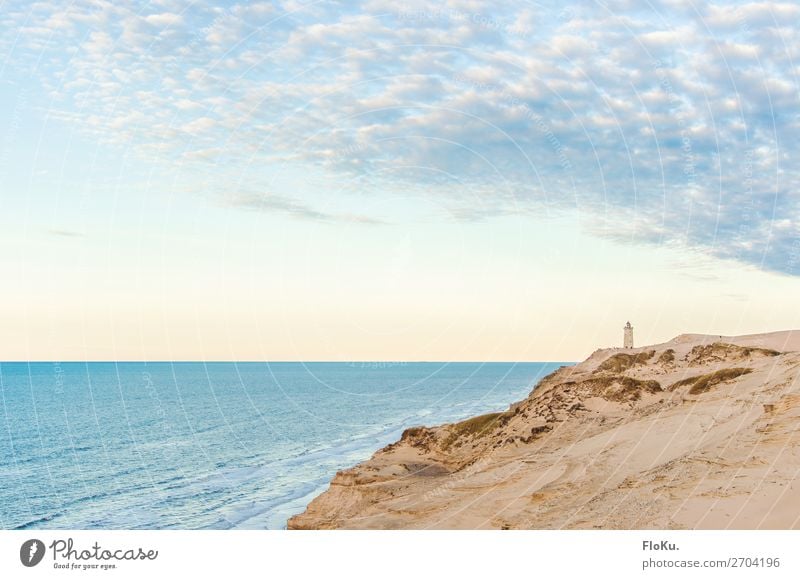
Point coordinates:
[(160, 361)]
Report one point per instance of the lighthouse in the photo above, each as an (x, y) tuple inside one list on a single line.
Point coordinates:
[(627, 340)]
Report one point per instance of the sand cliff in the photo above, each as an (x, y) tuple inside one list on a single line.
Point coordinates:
[(698, 432)]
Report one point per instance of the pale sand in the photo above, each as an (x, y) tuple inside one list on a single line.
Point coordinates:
[(591, 448)]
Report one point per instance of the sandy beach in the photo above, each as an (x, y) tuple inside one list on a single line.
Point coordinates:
[(700, 432)]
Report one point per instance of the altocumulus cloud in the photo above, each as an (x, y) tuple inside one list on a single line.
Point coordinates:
[(661, 122)]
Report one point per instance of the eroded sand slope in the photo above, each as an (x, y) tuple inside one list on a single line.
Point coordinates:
[(699, 432)]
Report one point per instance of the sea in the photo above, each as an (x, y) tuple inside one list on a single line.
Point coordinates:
[(190, 445)]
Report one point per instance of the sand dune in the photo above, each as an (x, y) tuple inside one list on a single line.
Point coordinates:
[(698, 432)]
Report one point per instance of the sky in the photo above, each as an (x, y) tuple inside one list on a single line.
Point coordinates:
[(394, 181)]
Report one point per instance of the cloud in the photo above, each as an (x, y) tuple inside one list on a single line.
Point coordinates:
[(664, 122), (277, 203), (199, 125), (164, 19), (64, 233)]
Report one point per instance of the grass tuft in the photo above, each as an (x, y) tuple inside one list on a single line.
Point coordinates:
[(667, 357), (719, 351), (704, 382), (476, 427), (621, 362)]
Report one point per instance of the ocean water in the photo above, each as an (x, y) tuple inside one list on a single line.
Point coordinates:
[(213, 445)]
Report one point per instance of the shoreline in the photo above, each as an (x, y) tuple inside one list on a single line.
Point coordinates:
[(674, 435)]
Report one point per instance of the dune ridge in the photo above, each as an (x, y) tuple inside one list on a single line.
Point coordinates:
[(698, 432)]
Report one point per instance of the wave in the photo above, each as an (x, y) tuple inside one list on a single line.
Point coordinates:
[(41, 520)]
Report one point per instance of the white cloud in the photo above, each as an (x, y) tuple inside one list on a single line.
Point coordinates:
[(164, 19), (199, 125), (689, 119)]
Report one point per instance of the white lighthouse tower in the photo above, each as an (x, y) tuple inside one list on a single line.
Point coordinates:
[(627, 341)]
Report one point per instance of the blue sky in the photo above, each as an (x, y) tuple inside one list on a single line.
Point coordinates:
[(345, 180)]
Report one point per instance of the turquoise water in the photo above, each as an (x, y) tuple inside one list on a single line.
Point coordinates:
[(213, 445)]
